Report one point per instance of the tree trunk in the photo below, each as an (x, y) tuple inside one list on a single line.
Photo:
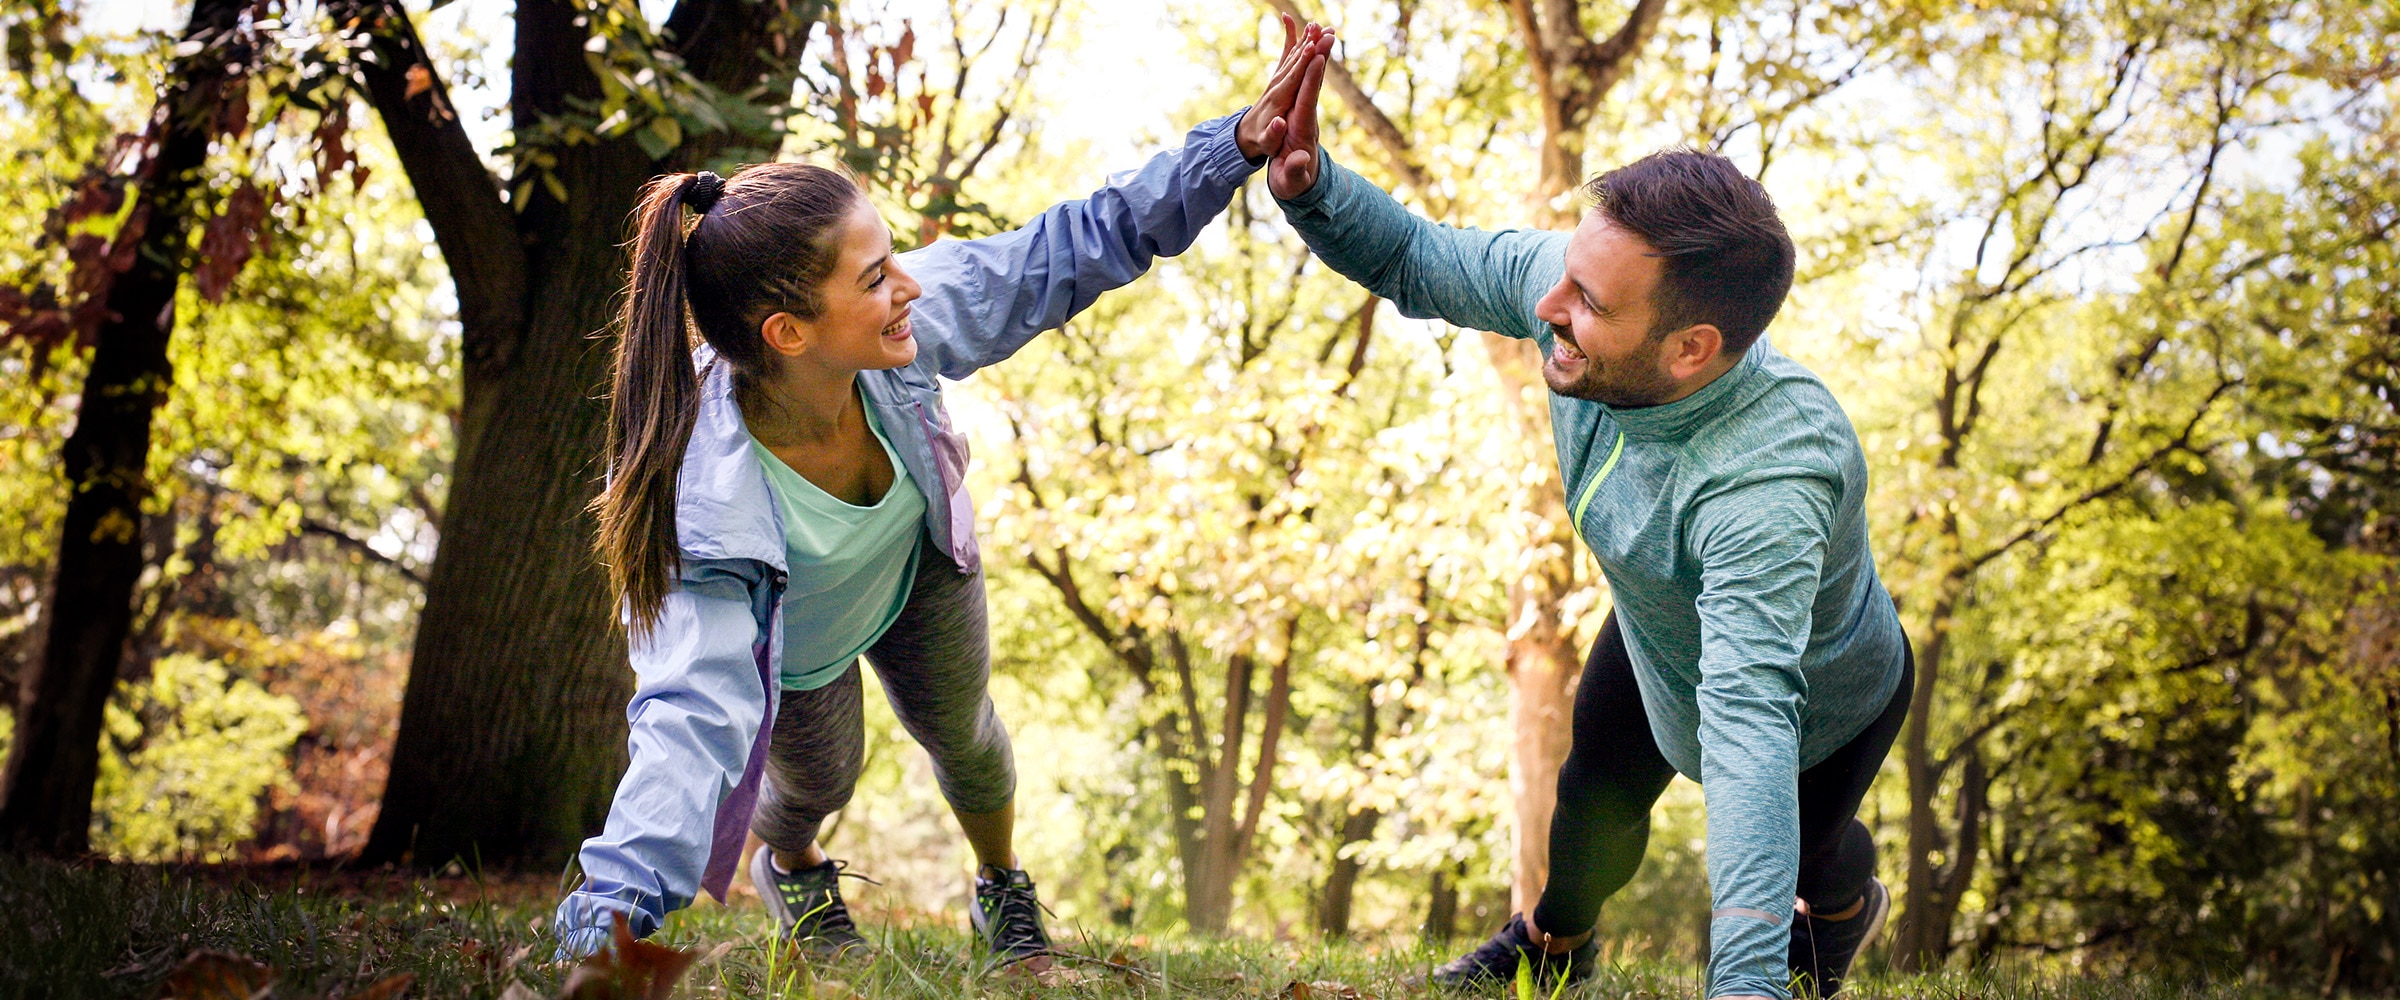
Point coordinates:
[(511, 733), (55, 758), (1226, 833), (1209, 898), (1572, 74), (1914, 945), (1441, 908), (1341, 883), (1341, 879)]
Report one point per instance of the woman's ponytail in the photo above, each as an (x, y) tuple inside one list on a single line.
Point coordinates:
[(653, 403), (770, 249)]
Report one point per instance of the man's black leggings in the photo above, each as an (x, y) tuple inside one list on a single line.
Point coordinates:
[(1614, 773)]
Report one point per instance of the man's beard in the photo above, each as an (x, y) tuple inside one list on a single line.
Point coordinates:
[(1629, 383)]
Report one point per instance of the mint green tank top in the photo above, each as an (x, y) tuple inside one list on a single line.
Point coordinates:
[(851, 567)]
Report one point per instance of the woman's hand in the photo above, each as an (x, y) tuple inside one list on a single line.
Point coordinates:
[(1273, 128)]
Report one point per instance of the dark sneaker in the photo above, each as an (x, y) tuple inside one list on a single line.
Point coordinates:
[(1823, 949), (1494, 963), (1007, 916), (808, 905)]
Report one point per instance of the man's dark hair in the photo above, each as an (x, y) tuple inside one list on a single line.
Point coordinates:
[(1727, 260)]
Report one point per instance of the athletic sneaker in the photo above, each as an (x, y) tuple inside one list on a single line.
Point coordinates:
[(1494, 963), (1007, 915), (808, 905), (1823, 949)]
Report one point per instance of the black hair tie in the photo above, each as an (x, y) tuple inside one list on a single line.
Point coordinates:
[(704, 191)]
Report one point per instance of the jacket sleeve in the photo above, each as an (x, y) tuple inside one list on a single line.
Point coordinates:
[(1482, 280), (1761, 548), (697, 707), (985, 298)]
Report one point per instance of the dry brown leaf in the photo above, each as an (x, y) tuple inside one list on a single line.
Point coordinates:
[(387, 988), (1323, 989), (633, 970), (420, 80), (216, 975), (1059, 976), (832, 989)]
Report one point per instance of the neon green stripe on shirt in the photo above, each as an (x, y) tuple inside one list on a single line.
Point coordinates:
[(1585, 501)]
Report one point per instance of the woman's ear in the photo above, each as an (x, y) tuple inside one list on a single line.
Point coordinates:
[(786, 334)]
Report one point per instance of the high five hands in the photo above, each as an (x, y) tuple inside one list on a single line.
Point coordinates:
[(1282, 126)]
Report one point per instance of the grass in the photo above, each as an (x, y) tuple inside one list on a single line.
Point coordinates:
[(102, 931)]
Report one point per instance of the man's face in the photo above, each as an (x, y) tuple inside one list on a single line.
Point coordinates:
[(1601, 315)]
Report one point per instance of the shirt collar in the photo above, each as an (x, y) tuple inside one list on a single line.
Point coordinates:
[(1677, 420)]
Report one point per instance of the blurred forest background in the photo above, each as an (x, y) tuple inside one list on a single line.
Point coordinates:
[(299, 406)]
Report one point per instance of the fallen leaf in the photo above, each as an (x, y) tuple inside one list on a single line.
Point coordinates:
[(517, 990), (831, 989), (216, 975), (420, 80), (387, 988), (1323, 989), (633, 970), (1059, 976)]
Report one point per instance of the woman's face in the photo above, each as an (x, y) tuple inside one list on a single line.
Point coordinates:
[(864, 325)]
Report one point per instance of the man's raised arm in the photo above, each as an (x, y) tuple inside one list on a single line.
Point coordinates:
[(1468, 277)]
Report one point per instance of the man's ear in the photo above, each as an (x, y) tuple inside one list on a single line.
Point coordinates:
[(1691, 350), (786, 334)]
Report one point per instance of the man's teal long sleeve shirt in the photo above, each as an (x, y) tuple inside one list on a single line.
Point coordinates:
[(1732, 528)]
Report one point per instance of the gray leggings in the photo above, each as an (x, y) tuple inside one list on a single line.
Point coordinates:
[(934, 663)]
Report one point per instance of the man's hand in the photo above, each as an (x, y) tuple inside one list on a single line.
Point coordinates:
[(1282, 125)]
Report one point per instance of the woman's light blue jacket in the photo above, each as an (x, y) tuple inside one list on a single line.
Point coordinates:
[(706, 676)]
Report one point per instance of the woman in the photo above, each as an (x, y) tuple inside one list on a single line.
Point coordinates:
[(791, 495)]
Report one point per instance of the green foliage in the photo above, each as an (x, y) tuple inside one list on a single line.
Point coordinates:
[(297, 464), (648, 92), (2107, 290), (188, 754)]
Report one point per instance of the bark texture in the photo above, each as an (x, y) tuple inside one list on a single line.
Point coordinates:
[(511, 734), (55, 757)]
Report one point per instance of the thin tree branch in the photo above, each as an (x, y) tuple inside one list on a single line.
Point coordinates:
[(345, 540), (2182, 442)]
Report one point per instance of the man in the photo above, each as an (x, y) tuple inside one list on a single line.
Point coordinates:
[(1722, 488)]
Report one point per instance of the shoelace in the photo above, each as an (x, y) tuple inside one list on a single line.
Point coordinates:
[(832, 914), (1015, 919)]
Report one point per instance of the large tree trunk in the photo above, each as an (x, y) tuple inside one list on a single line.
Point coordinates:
[(1572, 74), (511, 735), (517, 666), (1542, 661), (54, 758)]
